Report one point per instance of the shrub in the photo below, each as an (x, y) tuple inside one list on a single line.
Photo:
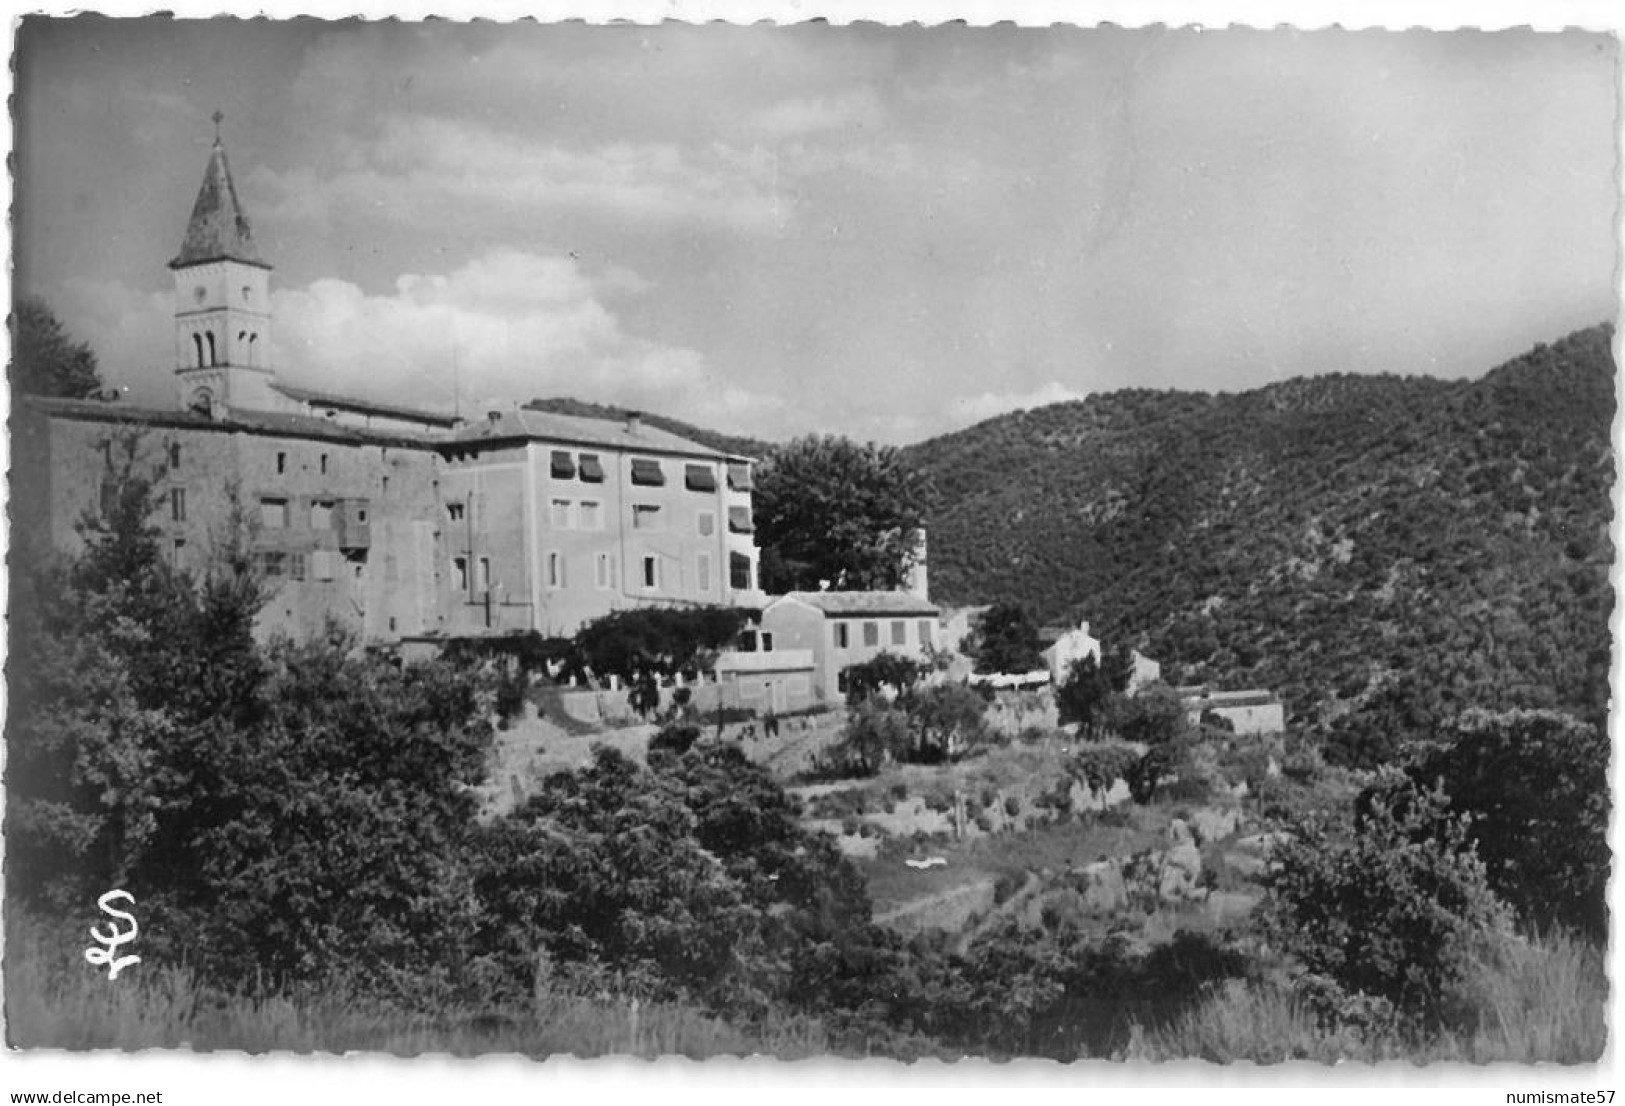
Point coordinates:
[(1012, 806), (876, 732), (1536, 784), (1190, 787), (1391, 907), (674, 739), (1101, 764), (1006, 886), (874, 676), (948, 718)]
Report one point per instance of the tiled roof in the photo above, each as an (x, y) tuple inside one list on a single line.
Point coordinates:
[(855, 603), (251, 422), (218, 229), (364, 406), (619, 434)]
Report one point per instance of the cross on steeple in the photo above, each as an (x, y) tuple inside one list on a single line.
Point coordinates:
[(218, 116)]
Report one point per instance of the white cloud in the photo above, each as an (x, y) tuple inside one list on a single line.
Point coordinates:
[(517, 326), (424, 167), (131, 333), (989, 404), (513, 324), (812, 114)]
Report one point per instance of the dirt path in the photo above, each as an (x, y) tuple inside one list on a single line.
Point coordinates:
[(944, 910)]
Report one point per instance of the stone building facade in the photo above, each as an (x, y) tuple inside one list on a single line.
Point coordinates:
[(395, 523)]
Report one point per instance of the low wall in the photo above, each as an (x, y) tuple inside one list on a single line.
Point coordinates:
[(747, 691)]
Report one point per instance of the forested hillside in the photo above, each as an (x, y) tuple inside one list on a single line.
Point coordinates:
[(1407, 546)]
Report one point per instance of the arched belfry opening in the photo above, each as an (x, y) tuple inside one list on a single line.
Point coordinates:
[(221, 289)]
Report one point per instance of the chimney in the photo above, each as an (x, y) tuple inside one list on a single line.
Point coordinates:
[(493, 417), (917, 581), (634, 422)]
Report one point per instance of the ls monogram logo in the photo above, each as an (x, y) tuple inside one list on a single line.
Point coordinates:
[(115, 936)]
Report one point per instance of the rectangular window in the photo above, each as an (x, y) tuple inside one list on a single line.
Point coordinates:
[(296, 565), (178, 554), (702, 571), (386, 485), (482, 578), (559, 514), (739, 476), (590, 515), (459, 572), (699, 478), (604, 575), (645, 516), (739, 520), (651, 571), (455, 512), (899, 632), (274, 514), (767, 641), (555, 570), (871, 633), (324, 564), (324, 464), (321, 514), (177, 504), (281, 463), (746, 641), (271, 563), (740, 571), (562, 466), (592, 469), (843, 636), (174, 456), (924, 629), (646, 472), (708, 523)]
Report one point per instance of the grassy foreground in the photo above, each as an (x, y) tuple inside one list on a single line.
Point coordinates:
[(54, 999), (1540, 1000)]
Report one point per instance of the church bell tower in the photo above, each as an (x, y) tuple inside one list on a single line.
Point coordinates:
[(222, 302)]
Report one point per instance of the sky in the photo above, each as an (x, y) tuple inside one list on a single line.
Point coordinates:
[(883, 232)]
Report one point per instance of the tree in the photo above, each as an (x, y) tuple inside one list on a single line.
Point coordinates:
[(1391, 907), (1083, 697), (45, 360), (1007, 640), (1155, 716), (885, 670), (947, 717), (1536, 785), (830, 512), (875, 733)]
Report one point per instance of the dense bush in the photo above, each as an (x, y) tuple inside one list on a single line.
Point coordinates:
[(1392, 907), (1536, 786), (883, 673), (1091, 684), (947, 718), (1006, 640), (876, 732)]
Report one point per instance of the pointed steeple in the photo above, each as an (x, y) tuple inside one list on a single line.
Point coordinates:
[(218, 229)]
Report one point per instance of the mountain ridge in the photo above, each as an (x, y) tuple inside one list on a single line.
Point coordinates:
[(1331, 537)]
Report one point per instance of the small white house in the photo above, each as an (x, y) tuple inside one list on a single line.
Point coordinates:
[(1069, 648)]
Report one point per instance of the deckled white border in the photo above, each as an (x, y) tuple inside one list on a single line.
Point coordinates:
[(235, 1079), (1550, 15)]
